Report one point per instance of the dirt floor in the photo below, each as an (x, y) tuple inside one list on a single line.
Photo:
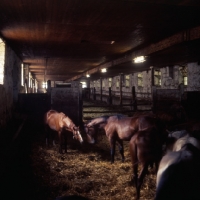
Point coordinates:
[(32, 171)]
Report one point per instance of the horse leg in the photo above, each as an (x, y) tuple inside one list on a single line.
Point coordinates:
[(112, 148), (53, 133), (143, 172), (65, 142), (47, 135), (134, 160), (60, 141), (121, 149)]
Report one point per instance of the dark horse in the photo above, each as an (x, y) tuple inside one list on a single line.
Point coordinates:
[(145, 149), (60, 122)]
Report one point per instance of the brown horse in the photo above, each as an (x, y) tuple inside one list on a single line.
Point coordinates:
[(145, 149), (60, 122), (108, 124), (118, 129), (93, 126)]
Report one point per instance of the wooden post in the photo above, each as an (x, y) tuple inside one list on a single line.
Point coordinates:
[(120, 89), (94, 93), (152, 76), (88, 89), (181, 88), (134, 99), (100, 88), (110, 96), (154, 99), (49, 86)]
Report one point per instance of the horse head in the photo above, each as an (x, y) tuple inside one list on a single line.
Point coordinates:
[(76, 134), (90, 131)]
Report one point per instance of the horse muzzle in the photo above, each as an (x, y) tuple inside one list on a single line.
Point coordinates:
[(90, 139)]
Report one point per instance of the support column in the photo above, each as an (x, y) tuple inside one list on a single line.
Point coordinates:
[(49, 86), (120, 87), (94, 93), (152, 75), (110, 96), (101, 88), (88, 86), (154, 99), (134, 99)]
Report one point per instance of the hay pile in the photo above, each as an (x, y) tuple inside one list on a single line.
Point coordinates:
[(86, 170)]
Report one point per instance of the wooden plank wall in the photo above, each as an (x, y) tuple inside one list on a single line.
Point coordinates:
[(68, 101)]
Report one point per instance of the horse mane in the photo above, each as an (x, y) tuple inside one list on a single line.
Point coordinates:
[(72, 125)]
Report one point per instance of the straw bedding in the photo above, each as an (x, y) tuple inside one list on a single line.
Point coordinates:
[(86, 170)]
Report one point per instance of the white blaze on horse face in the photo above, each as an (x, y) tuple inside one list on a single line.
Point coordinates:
[(79, 137)]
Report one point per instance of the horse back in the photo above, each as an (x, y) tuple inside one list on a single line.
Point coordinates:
[(54, 120)]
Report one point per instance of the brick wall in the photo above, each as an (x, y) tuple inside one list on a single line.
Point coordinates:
[(11, 87)]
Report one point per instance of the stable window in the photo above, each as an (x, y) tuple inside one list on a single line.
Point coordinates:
[(110, 82), (98, 84), (140, 80), (117, 83), (103, 83), (185, 81), (183, 71), (29, 79), (44, 85), (84, 85), (157, 77), (36, 85), (2, 61), (127, 80), (22, 74), (31, 83)]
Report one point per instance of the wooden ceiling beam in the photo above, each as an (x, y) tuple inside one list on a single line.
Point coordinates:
[(181, 37)]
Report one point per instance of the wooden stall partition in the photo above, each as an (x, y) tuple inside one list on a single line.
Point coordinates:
[(134, 99), (192, 104), (33, 103), (163, 98), (69, 101)]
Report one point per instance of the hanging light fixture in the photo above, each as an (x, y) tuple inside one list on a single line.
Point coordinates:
[(103, 70), (139, 59)]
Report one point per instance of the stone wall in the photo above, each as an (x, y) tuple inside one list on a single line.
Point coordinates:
[(11, 87), (171, 78), (193, 72)]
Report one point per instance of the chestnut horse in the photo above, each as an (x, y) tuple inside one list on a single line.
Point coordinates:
[(178, 175), (60, 122), (118, 128), (92, 127)]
